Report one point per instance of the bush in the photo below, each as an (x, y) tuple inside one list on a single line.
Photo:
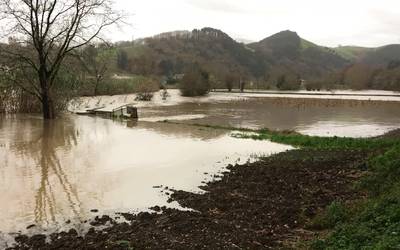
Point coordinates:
[(230, 81), (284, 82), (195, 83), (313, 85), (145, 90)]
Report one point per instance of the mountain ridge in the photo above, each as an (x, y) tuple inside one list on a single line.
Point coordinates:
[(284, 53)]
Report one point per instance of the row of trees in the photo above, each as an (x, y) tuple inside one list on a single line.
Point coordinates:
[(46, 34)]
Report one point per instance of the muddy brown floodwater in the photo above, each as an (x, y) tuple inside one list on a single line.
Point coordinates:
[(53, 172), (55, 175), (312, 116)]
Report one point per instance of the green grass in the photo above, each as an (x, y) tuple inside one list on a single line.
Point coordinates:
[(124, 244), (299, 140), (370, 223), (334, 214), (352, 52), (374, 223)]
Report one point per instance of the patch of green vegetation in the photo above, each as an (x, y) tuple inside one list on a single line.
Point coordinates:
[(124, 244), (334, 214), (293, 138), (352, 52), (375, 222), (299, 140), (304, 44), (370, 223), (114, 86)]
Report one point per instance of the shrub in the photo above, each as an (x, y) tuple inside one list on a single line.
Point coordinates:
[(195, 83), (145, 90), (313, 85), (230, 80), (289, 82)]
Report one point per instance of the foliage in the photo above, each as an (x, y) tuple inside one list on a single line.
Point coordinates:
[(333, 215), (124, 244), (97, 61), (375, 223), (145, 90), (230, 81), (195, 83), (288, 83), (122, 59), (313, 85), (118, 86)]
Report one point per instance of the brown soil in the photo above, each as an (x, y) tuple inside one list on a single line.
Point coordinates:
[(261, 205)]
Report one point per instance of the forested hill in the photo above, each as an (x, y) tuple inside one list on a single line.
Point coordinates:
[(282, 54)]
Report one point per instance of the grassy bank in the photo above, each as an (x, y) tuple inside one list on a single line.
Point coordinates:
[(373, 221)]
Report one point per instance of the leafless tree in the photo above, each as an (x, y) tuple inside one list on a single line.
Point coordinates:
[(97, 60), (44, 33)]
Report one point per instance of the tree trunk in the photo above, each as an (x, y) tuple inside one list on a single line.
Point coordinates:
[(96, 87), (47, 107)]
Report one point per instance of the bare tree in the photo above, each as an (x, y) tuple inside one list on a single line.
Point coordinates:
[(44, 33), (97, 61)]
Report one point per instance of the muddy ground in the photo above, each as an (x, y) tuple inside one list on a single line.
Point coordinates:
[(261, 205)]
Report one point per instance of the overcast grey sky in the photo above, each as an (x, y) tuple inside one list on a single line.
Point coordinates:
[(325, 22)]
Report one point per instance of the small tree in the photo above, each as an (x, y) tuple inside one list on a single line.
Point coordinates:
[(281, 81), (242, 85), (288, 82), (97, 61), (195, 83), (229, 81), (45, 33)]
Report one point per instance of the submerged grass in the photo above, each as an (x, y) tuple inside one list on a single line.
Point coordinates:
[(316, 142), (372, 222), (299, 140)]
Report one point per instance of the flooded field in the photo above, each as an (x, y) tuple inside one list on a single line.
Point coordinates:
[(61, 170), (56, 172), (312, 116), (357, 115)]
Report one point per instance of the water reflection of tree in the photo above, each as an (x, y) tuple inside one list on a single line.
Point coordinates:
[(55, 134), (42, 143)]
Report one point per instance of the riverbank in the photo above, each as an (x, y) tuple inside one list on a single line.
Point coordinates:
[(269, 204)]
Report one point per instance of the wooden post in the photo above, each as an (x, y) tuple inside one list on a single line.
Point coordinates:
[(132, 111)]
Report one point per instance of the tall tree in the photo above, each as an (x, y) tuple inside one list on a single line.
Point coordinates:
[(44, 33)]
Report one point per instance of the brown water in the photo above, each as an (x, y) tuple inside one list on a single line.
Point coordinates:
[(55, 171), (324, 117), (51, 172)]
